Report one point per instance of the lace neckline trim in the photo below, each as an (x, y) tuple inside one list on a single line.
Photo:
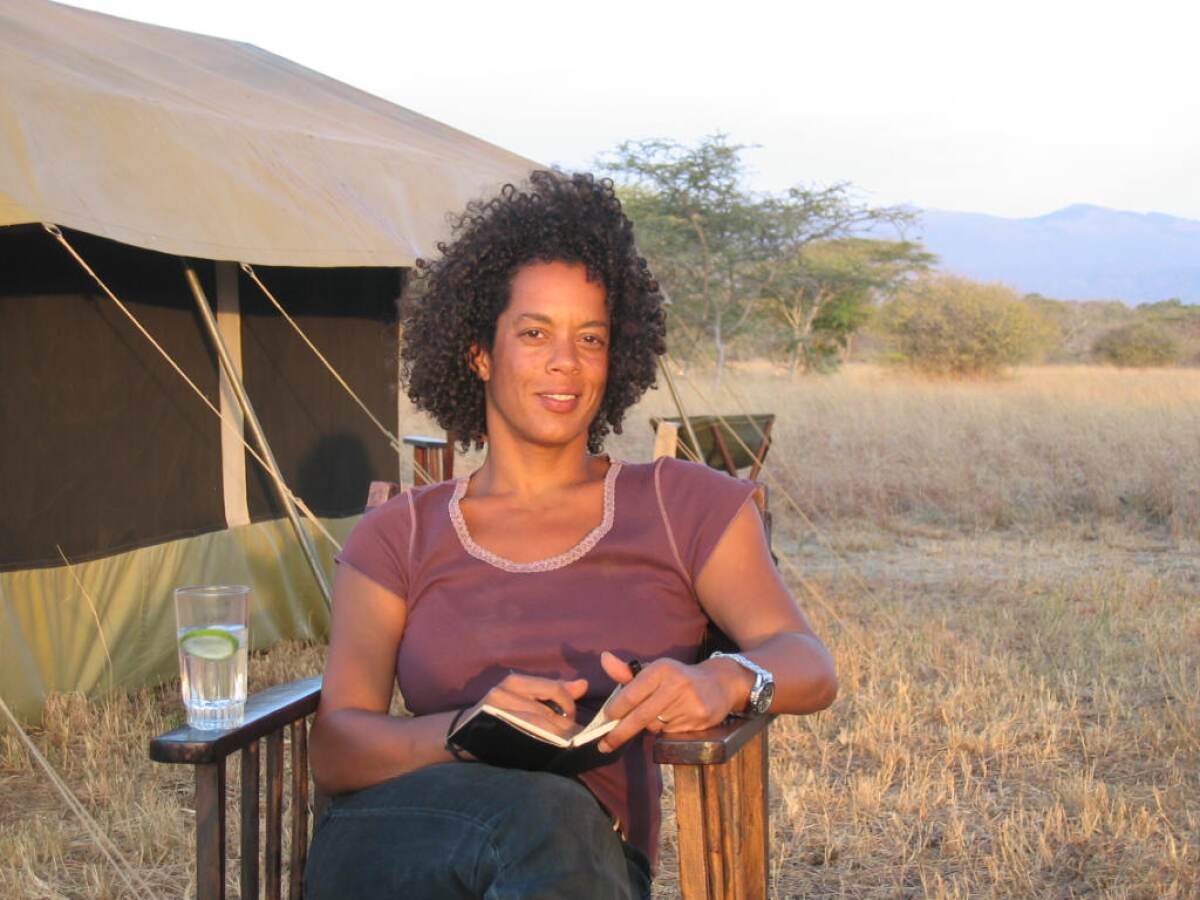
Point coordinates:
[(565, 558)]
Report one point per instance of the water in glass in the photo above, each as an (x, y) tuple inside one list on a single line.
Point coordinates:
[(213, 637), (214, 683)]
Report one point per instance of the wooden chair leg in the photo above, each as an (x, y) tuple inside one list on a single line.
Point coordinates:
[(210, 831), (726, 456), (300, 835), (421, 469), (761, 455), (250, 824), (274, 850), (722, 815), (448, 458)]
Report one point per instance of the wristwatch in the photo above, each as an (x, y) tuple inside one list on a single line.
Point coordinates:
[(763, 691)]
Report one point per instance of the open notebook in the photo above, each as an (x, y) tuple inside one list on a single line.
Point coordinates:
[(502, 738)]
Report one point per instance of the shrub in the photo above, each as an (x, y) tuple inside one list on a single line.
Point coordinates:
[(1137, 345), (948, 325)]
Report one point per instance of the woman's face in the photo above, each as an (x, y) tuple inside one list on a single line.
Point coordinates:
[(548, 365)]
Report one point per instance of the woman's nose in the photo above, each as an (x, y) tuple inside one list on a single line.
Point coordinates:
[(564, 357)]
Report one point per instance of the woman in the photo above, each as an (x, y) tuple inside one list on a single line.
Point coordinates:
[(534, 583)]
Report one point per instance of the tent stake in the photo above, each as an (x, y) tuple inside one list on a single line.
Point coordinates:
[(260, 438)]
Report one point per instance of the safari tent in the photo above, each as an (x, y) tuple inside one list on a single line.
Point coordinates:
[(155, 187)]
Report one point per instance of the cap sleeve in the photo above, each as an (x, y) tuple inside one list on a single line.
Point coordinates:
[(699, 504), (380, 546)]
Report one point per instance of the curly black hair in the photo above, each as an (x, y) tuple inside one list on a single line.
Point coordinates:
[(456, 299)]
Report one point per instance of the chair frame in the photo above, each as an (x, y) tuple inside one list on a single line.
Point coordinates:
[(724, 430), (721, 781)]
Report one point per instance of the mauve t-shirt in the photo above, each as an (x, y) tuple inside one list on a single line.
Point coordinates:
[(626, 587)]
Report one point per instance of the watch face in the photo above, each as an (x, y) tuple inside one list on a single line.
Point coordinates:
[(763, 701)]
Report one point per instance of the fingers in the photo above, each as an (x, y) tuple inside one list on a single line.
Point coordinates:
[(666, 696), (636, 689), (562, 694), (650, 695), (615, 668), (533, 711), (642, 718)]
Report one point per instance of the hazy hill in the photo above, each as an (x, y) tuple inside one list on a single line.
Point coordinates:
[(1079, 252)]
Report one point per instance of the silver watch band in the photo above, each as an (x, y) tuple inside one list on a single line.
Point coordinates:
[(762, 677)]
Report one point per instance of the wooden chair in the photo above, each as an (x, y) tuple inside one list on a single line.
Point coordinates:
[(730, 443), (721, 778)]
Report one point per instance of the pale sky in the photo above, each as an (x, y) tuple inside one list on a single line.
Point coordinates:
[(1014, 108)]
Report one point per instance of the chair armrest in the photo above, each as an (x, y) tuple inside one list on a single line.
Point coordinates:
[(709, 747), (266, 711), (428, 443)]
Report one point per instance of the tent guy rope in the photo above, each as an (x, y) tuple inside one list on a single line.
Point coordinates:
[(56, 232), (392, 439), (95, 612), (233, 379), (133, 881)]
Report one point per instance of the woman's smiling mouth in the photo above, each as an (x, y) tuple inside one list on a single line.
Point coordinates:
[(560, 402)]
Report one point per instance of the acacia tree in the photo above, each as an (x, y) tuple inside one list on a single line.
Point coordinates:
[(696, 223), (725, 254), (824, 291)]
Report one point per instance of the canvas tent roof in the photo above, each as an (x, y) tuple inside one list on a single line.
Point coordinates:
[(205, 147)]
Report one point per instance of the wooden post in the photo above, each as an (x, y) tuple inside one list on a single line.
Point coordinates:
[(210, 831), (666, 439), (722, 815)]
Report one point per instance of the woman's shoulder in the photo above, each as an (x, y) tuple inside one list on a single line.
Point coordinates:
[(684, 487), (412, 502), (680, 474)]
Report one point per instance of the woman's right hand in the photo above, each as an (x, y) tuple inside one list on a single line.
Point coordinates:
[(530, 697)]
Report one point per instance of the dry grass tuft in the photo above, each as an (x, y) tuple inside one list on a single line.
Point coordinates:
[(99, 748), (1007, 575)]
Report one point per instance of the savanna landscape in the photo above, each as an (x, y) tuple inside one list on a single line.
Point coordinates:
[(948, 282), (1006, 571)]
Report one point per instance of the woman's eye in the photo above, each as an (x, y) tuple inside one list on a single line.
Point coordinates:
[(594, 339), (532, 332)]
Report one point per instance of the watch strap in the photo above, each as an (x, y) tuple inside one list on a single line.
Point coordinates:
[(762, 677)]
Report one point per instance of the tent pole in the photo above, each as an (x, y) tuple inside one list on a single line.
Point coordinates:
[(687, 423), (260, 438)]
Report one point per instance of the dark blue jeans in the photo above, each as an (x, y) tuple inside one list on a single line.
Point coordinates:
[(468, 830)]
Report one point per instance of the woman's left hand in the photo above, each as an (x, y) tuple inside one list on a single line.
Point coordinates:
[(667, 695)]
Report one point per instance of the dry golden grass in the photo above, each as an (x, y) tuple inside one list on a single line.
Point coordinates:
[(1020, 704), (1045, 447)]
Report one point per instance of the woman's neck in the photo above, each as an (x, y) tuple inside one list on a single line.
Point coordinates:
[(527, 472)]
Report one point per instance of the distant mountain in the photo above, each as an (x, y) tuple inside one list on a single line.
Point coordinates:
[(1081, 252)]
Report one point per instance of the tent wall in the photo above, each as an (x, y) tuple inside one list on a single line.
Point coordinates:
[(328, 450), (50, 639), (108, 455), (106, 449)]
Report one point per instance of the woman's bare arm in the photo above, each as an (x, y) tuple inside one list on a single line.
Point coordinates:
[(355, 743), (742, 592)]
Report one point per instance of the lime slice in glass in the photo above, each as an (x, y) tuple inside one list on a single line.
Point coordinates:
[(209, 643)]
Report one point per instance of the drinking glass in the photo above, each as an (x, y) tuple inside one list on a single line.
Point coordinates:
[(214, 643)]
